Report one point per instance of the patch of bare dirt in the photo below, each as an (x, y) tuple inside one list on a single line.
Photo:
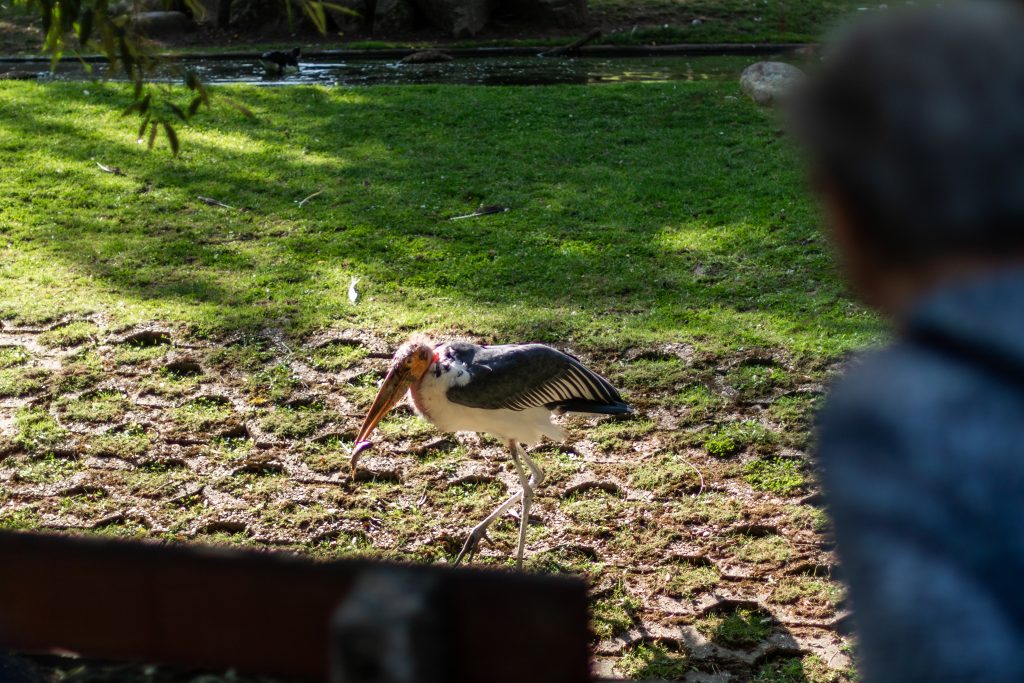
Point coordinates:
[(148, 433)]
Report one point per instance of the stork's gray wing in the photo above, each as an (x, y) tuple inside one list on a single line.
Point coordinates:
[(522, 376)]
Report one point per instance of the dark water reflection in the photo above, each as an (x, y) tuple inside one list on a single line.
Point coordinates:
[(477, 71)]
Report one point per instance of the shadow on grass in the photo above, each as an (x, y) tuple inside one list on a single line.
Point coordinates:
[(637, 212)]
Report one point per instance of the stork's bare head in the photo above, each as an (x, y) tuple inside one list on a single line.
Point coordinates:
[(411, 362)]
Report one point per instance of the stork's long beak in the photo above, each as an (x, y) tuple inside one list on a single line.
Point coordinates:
[(390, 393)]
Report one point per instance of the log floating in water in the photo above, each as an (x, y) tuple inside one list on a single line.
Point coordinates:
[(573, 47)]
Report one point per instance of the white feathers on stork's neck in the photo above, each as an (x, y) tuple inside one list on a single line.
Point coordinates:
[(508, 391)]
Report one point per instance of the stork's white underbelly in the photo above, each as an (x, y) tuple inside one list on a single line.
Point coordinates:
[(527, 426)]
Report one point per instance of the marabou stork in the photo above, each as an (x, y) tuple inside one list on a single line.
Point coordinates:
[(507, 391)]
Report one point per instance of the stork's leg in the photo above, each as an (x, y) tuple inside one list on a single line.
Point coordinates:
[(480, 530), (527, 487), (536, 473), (524, 481)]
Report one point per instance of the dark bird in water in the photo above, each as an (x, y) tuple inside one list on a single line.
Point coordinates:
[(277, 62), (507, 391)]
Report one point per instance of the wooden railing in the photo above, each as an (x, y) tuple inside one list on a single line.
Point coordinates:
[(352, 621)]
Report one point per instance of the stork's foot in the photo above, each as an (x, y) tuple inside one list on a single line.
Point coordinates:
[(472, 541)]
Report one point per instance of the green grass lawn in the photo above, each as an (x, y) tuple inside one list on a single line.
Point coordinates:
[(662, 231), (638, 216)]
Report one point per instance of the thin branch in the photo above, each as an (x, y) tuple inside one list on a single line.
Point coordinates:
[(214, 202), (303, 202)]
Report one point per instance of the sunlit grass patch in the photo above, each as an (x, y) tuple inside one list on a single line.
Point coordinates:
[(72, 334), (808, 669), (781, 476), (668, 474), (647, 375), (764, 549), (758, 380), (295, 422), (85, 505), (37, 432), (21, 381), (170, 384), (405, 425), (80, 372), (654, 661), (101, 406), (246, 354), (593, 508), (619, 434), (732, 437), (336, 357), (19, 519), (709, 508), (646, 540), (613, 614), (133, 353), (154, 481), (563, 560), (121, 528), (202, 415), (795, 415), (815, 591), (738, 628), (328, 457), (127, 443), (808, 517), (46, 469), (274, 384), (610, 253), (11, 356), (361, 390), (703, 402), (469, 502), (229, 449), (686, 579)]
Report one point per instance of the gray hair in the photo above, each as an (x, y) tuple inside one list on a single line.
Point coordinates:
[(916, 118)]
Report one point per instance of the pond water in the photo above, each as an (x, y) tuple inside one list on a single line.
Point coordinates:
[(467, 71)]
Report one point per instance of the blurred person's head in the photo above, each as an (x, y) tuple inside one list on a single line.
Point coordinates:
[(915, 132)]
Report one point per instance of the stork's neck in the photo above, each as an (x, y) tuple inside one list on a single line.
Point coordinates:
[(444, 372)]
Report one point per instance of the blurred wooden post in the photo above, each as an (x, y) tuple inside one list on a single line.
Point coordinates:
[(272, 614)]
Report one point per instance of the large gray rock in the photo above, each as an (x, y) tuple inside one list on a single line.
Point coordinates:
[(157, 24), (768, 83), (461, 18), (393, 15), (563, 13)]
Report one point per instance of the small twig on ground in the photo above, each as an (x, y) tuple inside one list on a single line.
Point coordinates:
[(214, 202), (303, 202), (110, 169), (115, 518), (482, 211), (694, 468)]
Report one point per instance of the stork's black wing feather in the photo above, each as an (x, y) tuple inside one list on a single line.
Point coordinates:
[(522, 376)]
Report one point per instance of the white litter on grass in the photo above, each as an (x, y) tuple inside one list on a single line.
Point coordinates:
[(353, 295)]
